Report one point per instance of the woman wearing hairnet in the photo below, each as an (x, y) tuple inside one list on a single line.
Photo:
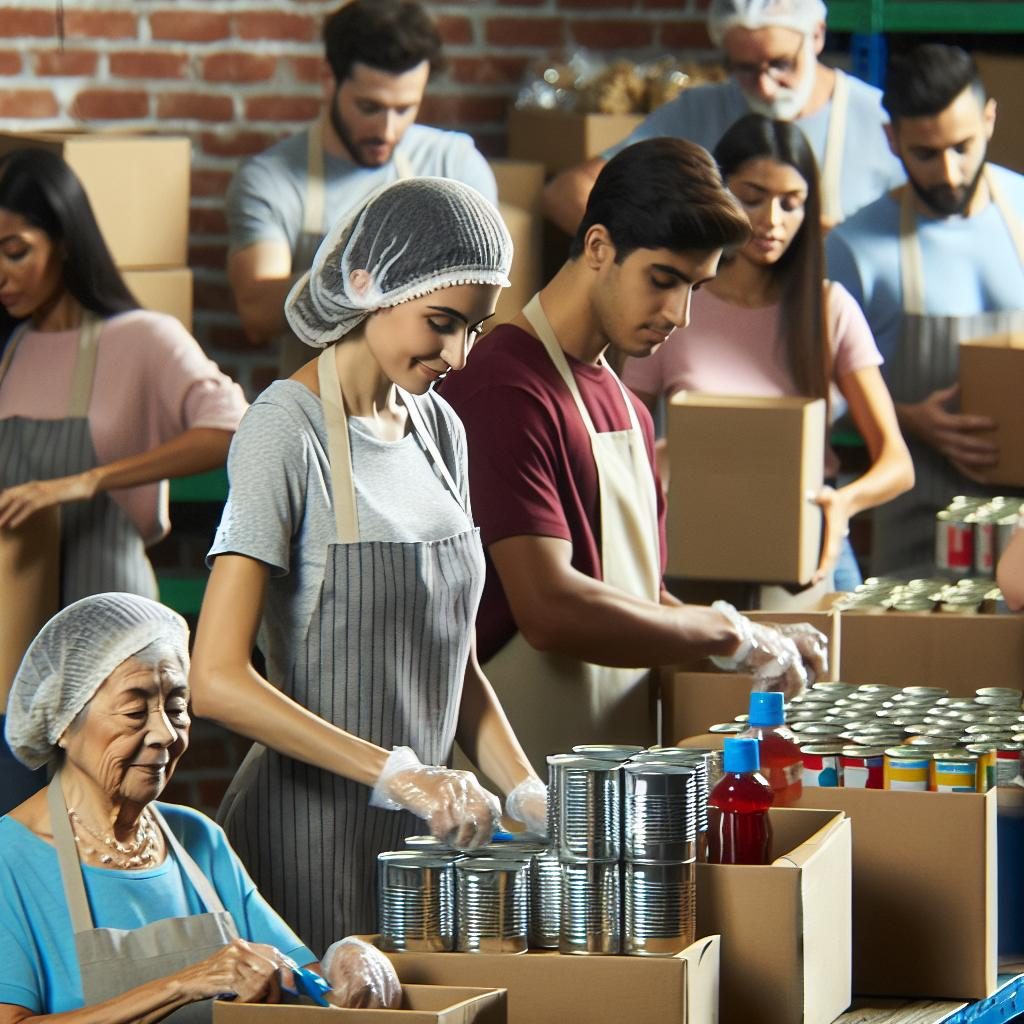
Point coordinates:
[(348, 543), (118, 908)]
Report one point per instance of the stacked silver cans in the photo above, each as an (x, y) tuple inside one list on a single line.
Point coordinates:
[(417, 901), (972, 595), (972, 532), (492, 903)]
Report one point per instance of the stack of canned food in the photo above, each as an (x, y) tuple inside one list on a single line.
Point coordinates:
[(971, 533), (915, 737), (969, 596)]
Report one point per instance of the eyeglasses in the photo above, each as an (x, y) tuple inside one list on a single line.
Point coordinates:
[(777, 70)]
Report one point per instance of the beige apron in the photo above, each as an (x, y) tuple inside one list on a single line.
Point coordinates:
[(832, 157), (315, 225), (926, 360), (113, 960), (553, 701)]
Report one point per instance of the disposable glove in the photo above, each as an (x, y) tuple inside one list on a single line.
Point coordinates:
[(458, 810), (361, 976), (528, 803)]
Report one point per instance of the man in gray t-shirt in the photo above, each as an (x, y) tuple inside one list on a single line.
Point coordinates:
[(280, 204)]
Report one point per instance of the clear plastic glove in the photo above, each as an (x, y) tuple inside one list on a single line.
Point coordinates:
[(458, 810), (775, 659), (528, 803), (812, 645), (361, 976)]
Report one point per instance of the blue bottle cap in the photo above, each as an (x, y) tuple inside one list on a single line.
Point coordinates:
[(766, 709), (742, 756)]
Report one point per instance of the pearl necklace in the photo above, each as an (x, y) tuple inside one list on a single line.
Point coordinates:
[(140, 853)]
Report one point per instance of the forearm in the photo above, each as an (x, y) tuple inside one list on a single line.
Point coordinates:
[(194, 451), (1010, 572), (145, 1004), (565, 196), (260, 305), (890, 475)]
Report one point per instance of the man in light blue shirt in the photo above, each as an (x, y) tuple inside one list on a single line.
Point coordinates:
[(379, 57), (771, 50), (936, 263)]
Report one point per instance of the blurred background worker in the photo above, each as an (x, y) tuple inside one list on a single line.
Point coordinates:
[(379, 56), (939, 261), (771, 51), (770, 325), (562, 473)]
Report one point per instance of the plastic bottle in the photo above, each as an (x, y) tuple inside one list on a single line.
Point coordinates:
[(781, 762), (739, 830)]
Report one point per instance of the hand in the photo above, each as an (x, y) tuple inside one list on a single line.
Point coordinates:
[(247, 970), (19, 502), (457, 808), (837, 529), (954, 435), (361, 976), (812, 646), (528, 803)]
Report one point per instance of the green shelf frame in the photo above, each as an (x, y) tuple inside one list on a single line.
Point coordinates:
[(212, 486), (871, 16)]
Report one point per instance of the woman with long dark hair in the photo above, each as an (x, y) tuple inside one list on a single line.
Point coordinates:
[(770, 324), (100, 401)]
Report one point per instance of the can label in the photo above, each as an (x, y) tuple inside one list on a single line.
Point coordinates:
[(959, 545), (821, 770), (1007, 766), (985, 548), (863, 772), (906, 772), (954, 776)]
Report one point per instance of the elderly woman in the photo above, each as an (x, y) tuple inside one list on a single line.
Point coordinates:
[(118, 908)]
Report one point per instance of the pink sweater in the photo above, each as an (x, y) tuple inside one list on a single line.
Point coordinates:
[(152, 383)]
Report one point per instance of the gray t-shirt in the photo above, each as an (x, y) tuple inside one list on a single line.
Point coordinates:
[(280, 512), (265, 200)]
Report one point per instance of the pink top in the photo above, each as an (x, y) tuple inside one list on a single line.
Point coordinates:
[(732, 350), (152, 383)]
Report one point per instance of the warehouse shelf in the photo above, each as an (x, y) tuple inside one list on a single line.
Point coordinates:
[(871, 16), (1005, 1004)]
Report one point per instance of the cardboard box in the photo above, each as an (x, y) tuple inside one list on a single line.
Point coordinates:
[(421, 1004), (742, 473), (559, 139), (959, 652), (991, 382), (546, 988), (520, 186), (164, 291), (785, 927), (1002, 75), (924, 890), (138, 187)]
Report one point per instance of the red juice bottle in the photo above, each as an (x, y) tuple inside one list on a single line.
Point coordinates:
[(781, 762), (739, 830)]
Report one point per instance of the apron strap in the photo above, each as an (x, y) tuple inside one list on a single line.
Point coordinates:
[(313, 201), (67, 858), (832, 158), (202, 885), (339, 454), (419, 424)]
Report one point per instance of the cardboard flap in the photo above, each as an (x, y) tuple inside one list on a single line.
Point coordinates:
[(702, 960), (811, 847)]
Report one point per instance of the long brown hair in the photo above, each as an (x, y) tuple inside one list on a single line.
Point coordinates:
[(803, 325)]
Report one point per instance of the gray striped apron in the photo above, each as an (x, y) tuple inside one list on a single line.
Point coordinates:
[(113, 960), (101, 550), (928, 359), (383, 658), (315, 226)]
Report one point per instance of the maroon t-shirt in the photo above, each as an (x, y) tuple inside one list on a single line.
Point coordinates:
[(531, 469)]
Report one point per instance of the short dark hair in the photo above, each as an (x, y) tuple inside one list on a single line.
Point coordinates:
[(389, 35), (663, 194), (924, 81)]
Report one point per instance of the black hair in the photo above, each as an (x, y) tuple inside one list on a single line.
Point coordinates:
[(389, 35), (38, 185), (662, 194), (924, 81)]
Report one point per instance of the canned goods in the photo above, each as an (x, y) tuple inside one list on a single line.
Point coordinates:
[(660, 908), (492, 905), (1005, 527), (1007, 762), (954, 541), (416, 901), (862, 767), (878, 689), (930, 743), (986, 776), (821, 764), (726, 727), (906, 768), (607, 751), (985, 543), (954, 771), (932, 693)]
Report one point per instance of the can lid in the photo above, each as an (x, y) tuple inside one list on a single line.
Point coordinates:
[(766, 708), (742, 756)]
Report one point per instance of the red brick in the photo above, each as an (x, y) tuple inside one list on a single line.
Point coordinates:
[(281, 108), (487, 70), (207, 220), (190, 26), (307, 69), (148, 64), (611, 35), (275, 25), (10, 62), (454, 110), (27, 103), (454, 30), (195, 106), (100, 25), (15, 21), (233, 339), (110, 104), (525, 31), (211, 255), (685, 35), (70, 62), (619, 5), (238, 67), (521, 3), (235, 143), (210, 183)]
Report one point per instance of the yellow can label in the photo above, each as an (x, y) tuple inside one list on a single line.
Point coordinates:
[(906, 772)]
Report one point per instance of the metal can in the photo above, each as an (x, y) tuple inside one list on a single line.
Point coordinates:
[(954, 771), (607, 751), (930, 743), (862, 767), (875, 739), (1005, 527), (1007, 762), (906, 768), (932, 693), (986, 777), (821, 764), (985, 540), (954, 541), (726, 727)]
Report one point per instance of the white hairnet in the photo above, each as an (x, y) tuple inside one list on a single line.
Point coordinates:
[(71, 657), (800, 15), (412, 237)]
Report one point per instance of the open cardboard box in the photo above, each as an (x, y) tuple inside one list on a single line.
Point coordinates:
[(742, 475), (520, 187), (421, 1004), (547, 988), (991, 383), (560, 139), (785, 926)]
